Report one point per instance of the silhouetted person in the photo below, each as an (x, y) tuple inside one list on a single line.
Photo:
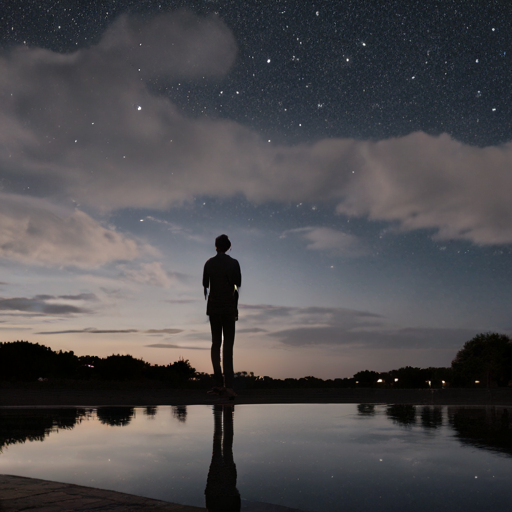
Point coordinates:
[(222, 277), (221, 493)]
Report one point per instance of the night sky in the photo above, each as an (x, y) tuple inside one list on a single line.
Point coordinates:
[(356, 153)]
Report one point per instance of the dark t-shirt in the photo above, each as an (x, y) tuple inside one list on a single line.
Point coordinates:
[(221, 274)]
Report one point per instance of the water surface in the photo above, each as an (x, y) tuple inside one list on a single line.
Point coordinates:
[(313, 457)]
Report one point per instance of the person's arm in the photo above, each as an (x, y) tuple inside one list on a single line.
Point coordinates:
[(206, 280), (238, 275)]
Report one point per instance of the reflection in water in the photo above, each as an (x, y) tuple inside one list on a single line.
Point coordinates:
[(221, 493), (20, 425), (484, 427), (180, 412), (115, 416), (366, 409), (404, 415), (150, 411), (431, 417)]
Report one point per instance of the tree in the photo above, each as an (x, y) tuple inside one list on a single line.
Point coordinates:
[(486, 358)]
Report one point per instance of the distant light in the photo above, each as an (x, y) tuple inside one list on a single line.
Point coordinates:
[(443, 382), (268, 61), (477, 382), (357, 382), (380, 380), (139, 108), (396, 380), (142, 220)]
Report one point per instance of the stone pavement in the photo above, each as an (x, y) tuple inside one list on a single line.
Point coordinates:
[(18, 494), (21, 494)]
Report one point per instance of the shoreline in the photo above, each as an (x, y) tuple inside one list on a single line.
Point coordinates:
[(137, 397)]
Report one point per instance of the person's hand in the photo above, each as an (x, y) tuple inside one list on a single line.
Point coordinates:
[(205, 293)]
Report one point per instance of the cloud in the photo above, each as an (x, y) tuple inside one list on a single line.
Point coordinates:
[(92, 330), (80, 296), (168, 345), (323, 326), (164, 331), (40, 305), (383, 338), (266, 314), (34, 231), (253, 330), (328, 240), (180, 301), (152, 274), (89, 126)]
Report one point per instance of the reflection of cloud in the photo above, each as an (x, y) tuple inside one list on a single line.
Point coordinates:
[(168, 345), (31, 232), (328, 240), (115, 144), (251, 330), (39, 305)]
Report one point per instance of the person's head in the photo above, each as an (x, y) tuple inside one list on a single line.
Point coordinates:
[(222, 243)]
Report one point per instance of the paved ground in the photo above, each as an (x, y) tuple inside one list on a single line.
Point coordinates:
[(47, 396), (20, 494), (30, 494)]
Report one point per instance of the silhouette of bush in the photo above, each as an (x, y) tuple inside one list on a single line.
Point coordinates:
[(121, 367), (25, 361), (486, 358)]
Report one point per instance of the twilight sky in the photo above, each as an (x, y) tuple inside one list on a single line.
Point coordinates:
[(356, 153)]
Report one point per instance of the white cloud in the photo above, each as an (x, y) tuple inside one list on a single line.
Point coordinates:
[(328, 240), (33, 231), (155, 157), (150, 273)]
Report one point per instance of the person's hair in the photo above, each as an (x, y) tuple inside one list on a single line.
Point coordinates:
[(222, 243)]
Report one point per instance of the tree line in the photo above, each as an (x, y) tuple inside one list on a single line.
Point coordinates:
[(484, 361)]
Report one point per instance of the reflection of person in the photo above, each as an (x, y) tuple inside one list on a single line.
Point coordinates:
[(221, 493), (222, 277)]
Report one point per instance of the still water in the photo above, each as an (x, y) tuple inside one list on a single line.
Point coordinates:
[(313, 457)]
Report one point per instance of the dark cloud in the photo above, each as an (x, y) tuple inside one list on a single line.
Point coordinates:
[(168, 345), (405, 338), (180, 301), (253, 330), (93, 331), (265, 313), (80, 296), (39, 305), (164, 331)]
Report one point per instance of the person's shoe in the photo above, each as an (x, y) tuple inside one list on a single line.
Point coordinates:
[(229, 393), (216, 390)]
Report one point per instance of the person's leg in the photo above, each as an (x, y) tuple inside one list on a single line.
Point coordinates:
[(216, 328), (228, 327)]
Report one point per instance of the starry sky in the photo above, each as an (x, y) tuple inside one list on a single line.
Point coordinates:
[(356, 153)]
